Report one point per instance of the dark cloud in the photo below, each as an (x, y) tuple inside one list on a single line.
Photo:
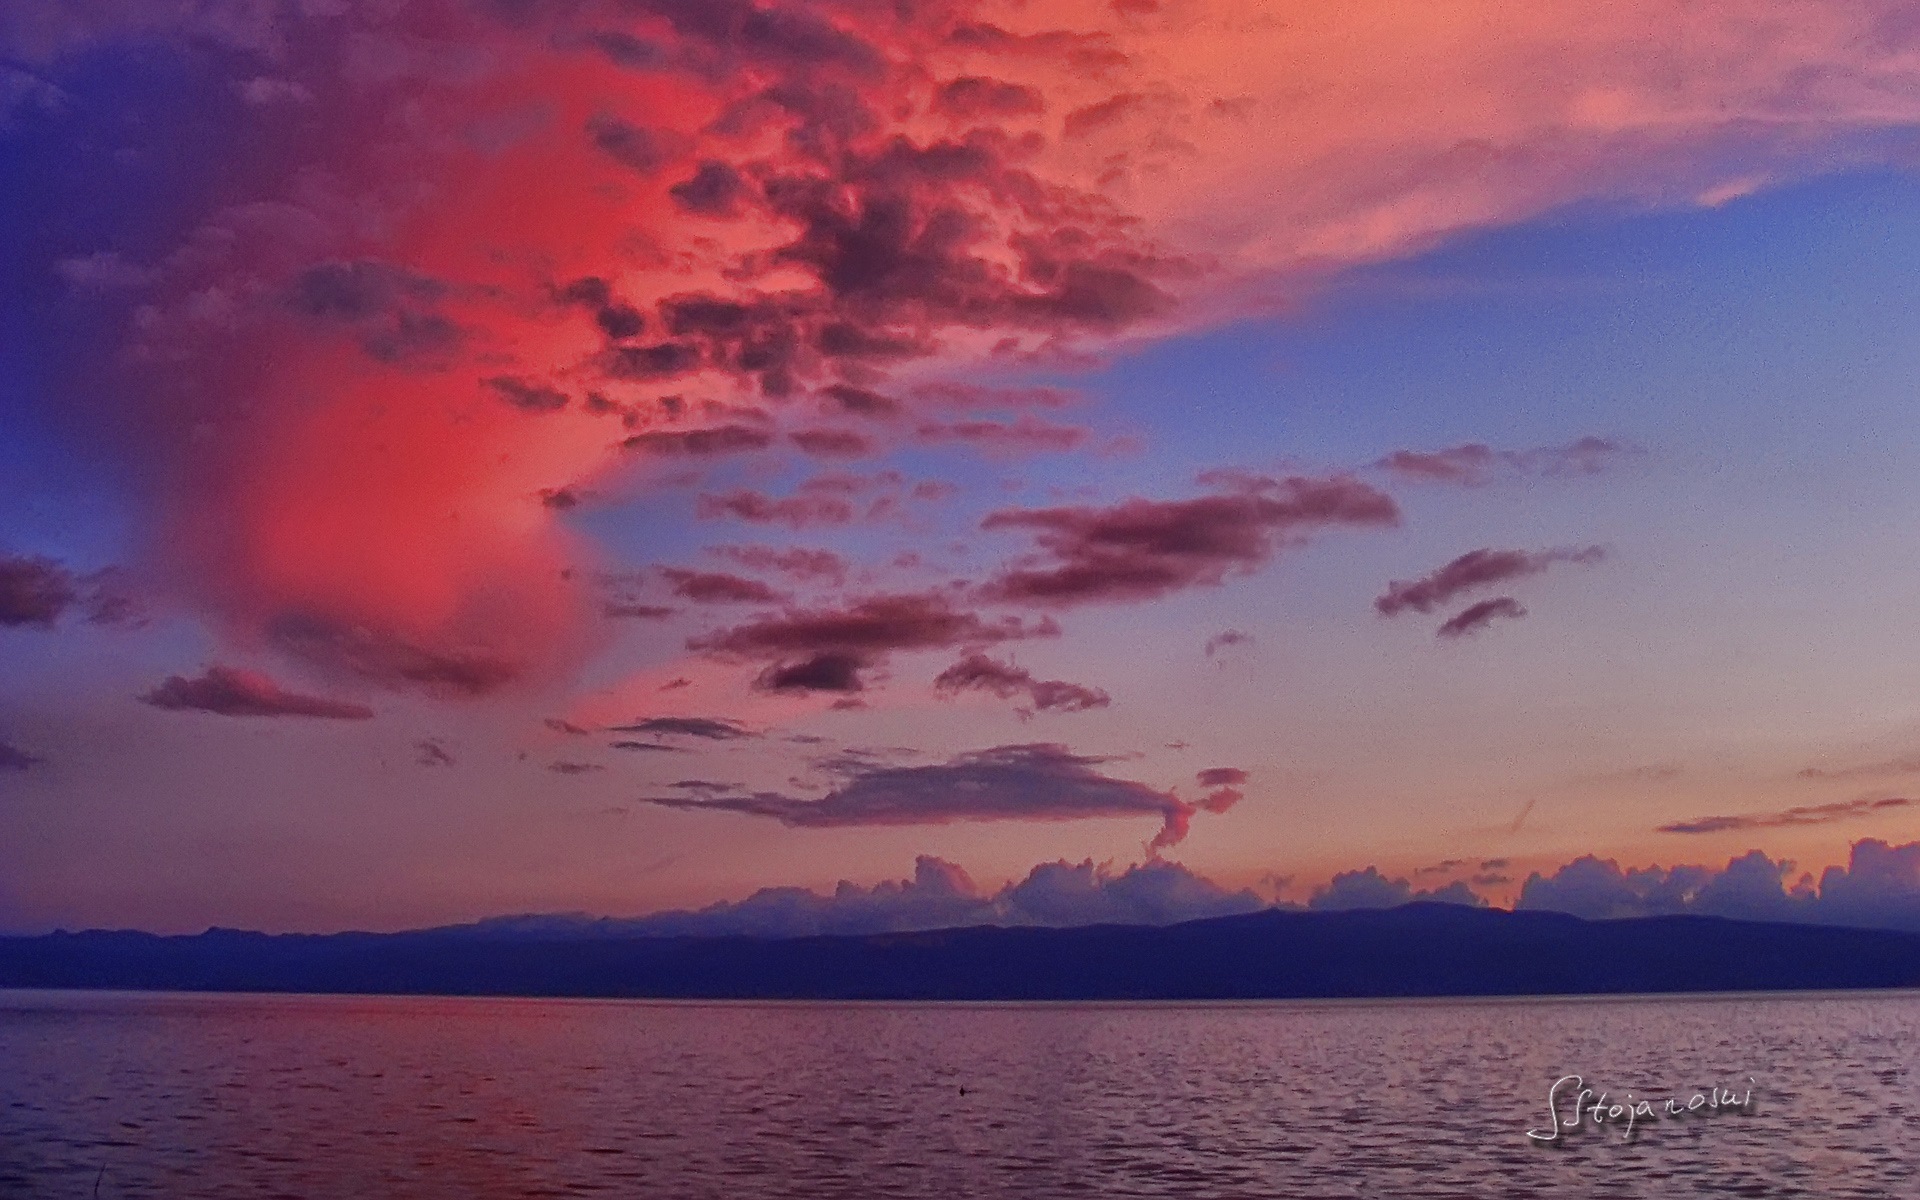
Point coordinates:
[(1141, 549), (620, 321), (39, 591), (561, 725), (895, 240), (235, 693), (793, 561), (828, 649), (1476, 617), (660, 747), (1370, 889), (616, 318), (1475, 569), (644, 364), (1805, 814), (971, 97), (977, 672), (527, 397), (714, 729), (12, 758), (701, 443), (633, 147), (560, 499), (622, 49), (831, 443), (861, 402), (1041, 782), (827, 671), (1475, 464), (715, 190), (390, 307), (34, 591), (718, 587), (564, 767), (432, 752)]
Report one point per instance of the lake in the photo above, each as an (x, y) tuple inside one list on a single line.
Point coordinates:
[(211, 1096)]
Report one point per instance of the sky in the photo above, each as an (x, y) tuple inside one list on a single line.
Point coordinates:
[(1125, 460)]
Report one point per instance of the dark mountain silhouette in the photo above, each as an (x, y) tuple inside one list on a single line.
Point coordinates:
[(1417, 950)]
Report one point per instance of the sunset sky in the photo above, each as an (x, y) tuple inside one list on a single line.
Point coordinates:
[(470, 457)]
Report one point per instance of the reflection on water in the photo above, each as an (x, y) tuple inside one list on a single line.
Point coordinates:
[(217, 1096)]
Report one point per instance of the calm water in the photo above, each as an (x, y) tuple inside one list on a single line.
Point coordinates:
[(215, 1096)]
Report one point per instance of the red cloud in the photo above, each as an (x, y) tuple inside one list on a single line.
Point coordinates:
[(776, 199)]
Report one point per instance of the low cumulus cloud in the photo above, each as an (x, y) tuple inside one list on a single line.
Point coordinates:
[(1034, 782), (231, 692), (1368, 888), (942, 896), (1879, 887)]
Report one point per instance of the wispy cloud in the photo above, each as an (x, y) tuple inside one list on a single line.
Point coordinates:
[(1805, 814)]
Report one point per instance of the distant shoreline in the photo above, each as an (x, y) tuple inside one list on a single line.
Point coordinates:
[(8, 991), (1416, 952)]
